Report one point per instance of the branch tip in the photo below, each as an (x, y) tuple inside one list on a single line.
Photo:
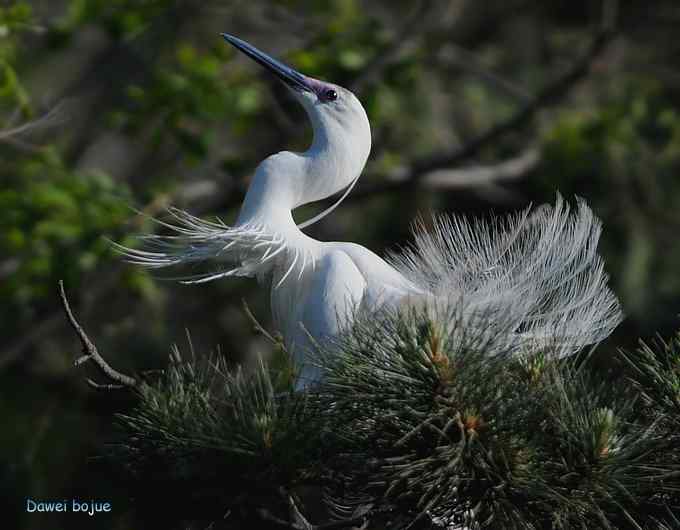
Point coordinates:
[(90, 353)]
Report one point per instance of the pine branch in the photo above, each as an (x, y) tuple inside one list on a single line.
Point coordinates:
[(427, 417), (441, 420)]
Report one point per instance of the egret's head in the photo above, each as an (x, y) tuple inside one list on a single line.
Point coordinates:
[(333, 110)]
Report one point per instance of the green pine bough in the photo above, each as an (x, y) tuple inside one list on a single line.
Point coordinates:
[(425, 419)]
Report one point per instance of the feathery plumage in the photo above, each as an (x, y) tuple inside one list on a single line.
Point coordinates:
[(536, 274)]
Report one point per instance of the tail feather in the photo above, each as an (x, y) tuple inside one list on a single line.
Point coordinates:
[(540, 268)]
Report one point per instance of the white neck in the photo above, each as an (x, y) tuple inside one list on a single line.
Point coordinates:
[(286, 180)]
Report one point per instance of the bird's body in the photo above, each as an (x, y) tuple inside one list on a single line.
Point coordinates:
[(316, 286), (540, 271), (338, 280)]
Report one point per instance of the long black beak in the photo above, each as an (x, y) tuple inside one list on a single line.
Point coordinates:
[(291, 77)]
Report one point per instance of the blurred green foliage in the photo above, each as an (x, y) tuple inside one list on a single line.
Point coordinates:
[(187, 102), (121, 18), (14, 20), (53, 218), (54, 223), (624, 156)]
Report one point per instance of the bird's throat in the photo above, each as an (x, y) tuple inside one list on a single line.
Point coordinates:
[(287, 180)]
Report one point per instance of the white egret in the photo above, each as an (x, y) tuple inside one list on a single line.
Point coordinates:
[(540, 268)]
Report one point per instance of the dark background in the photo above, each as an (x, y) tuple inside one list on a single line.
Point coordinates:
[(475, 107)]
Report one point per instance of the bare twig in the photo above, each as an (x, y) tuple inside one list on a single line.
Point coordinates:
[(90, 353), (259, 327), (54, 116), (51, 322), (12, 136)]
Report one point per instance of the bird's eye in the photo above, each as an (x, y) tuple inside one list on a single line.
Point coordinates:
[(330, 95)]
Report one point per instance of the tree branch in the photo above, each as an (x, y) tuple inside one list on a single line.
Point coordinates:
[(550, 94), (416, 172), (469, 177), (90, 353), (511, 169), (54, 116)]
